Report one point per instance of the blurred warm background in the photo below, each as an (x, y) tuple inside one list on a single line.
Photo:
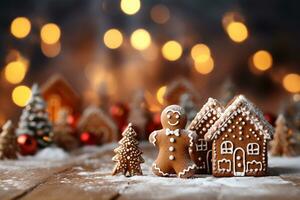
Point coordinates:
[(107, 50)]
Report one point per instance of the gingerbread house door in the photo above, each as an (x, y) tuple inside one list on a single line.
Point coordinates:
[(209, 161), (239, 167)]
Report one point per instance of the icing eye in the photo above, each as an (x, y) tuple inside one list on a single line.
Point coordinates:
[(177, 116), (168, 116)]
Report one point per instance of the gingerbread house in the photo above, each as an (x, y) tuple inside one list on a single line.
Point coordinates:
[(177, 88), (59, 94), (239, 139), (206, 117), (96, 122)]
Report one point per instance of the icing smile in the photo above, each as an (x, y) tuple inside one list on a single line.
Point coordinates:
[(173, 124)]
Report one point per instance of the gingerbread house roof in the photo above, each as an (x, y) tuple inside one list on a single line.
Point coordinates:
[(212, 105), (59, 84), (92, 110), (179, 86), (249, 110)]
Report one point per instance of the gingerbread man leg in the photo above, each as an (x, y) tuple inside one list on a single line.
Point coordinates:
[(186, 171), (162, 170)]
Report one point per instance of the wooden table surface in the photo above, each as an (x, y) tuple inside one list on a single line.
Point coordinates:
[(86, 175)]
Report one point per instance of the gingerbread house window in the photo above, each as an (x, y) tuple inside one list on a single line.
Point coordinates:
[(202, 145), (253, 149), (226, 147)]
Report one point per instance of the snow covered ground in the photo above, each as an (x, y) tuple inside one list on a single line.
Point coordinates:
[(92, 174)]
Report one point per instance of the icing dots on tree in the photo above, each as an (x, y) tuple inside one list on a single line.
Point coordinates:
[(128, 154)]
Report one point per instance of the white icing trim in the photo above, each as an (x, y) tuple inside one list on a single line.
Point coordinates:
[(227, 150), (244, 163), (210, 105), (159, 170), (251, 112), (186, 170), (253, 151), (254, 162), (191, 138), (153, 138), (202, 146), (224, 169)]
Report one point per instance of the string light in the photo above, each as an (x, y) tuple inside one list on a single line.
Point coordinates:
[(172, 50), (200, 53), (50, 33), (160, 94), (237, 31), (130, 7), (160, 14), (51, 50), (262, 60), (20, 27), (140, 39), (20, 95), (291, 82), (15, 72), (113, 38), (205, 67)]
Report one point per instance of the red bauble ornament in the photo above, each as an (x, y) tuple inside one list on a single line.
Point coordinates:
[(119, 112), (88, 138), (27, 144), (271, 118)]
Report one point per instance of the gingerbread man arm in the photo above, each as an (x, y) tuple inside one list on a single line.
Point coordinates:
[(153, 137)]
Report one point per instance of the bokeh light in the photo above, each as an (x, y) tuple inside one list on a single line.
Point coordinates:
[(130, 7), (51, 50), (237, 31), (200, 53), (113, 38), (172, 50), (140, 39), (160, 94), (50, 33), (205, 67), (160, 14), (291, 82), (20, 95), (262, 60), (20, 27), (15, 72)]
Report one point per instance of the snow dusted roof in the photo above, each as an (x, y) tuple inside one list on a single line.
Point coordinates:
[(248, 109), (93, 110), (211, 104)]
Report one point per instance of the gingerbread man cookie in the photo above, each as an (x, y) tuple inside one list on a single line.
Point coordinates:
[(175, 144)]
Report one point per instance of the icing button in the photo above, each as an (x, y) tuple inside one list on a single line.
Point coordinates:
[(171, 148), (171, 157), (172, 140)]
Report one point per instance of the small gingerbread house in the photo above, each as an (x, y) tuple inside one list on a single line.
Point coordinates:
[(240, 140), (177, 88), (96, 122), (59, 94), (206, 117)]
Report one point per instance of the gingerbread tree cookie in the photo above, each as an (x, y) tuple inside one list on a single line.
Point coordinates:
[(175, 145), (282, 144), (240, 140), (8, 142), (128, 154), (206, 117)]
